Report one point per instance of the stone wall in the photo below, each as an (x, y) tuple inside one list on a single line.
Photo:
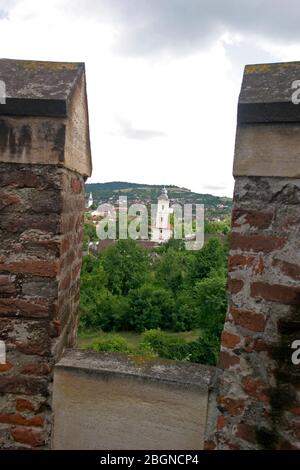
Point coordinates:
[(255, 404), (41, 212), (108, 401), (41, 234)]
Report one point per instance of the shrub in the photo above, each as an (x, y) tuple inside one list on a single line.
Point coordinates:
[(125, 265), (150, 307), (114, 344), (165, 345), (208, 260), (211, 303), (204, 350)]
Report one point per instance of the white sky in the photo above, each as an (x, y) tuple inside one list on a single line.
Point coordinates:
[(163, 76)]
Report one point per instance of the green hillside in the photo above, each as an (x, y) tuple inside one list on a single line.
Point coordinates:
[(215, 206)]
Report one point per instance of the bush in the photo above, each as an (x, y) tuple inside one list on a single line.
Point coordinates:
[(205, 350), (211, 303), (125, 265), (165, 345), (114, 344), (172, 269), (150, 307), (208, 260), (113, 312), (90, 235)]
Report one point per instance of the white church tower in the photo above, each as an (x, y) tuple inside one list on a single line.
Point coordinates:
[(90, 201), (162, 231)]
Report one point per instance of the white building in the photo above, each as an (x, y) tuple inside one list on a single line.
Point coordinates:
[(162, 231), (89, 201)]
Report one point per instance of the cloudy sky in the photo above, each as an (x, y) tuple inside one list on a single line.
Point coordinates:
[(163, 76)]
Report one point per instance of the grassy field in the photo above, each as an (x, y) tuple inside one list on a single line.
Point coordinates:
[(86, 338)]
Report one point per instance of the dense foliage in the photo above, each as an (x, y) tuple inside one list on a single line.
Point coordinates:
[(157, 343), (129, 288)]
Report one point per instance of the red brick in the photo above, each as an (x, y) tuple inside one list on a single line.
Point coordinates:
[(42, 246), (28, 436), (221, 422), (9, 200), (209, 445), (255, 344), (17, 419), (250, 320), (294, 428), (230, 340), (23, 307), (246, 432), (37, 267), (55, 328), (7, 284), (286, 445), (235, 285), (5, 367), (256, 243), (14, 222), (255, 218), (232, 406), (65, 245), (276, 292), (255, 388), (289, 269), (76, 271), (231, 445), (21, 179), (227, 360), (38, 369), (295, 410), (23, 385), (65, 282), (240, 261), (76, 185), (24, 405), (259, 266), (40, 348)]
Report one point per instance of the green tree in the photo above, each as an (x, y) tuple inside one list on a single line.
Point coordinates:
[(172, 268), (126, 265), (208, 260), (150, 307), (210, 299), (90, 234)]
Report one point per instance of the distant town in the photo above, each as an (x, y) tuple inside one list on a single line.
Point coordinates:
[(216, 208)]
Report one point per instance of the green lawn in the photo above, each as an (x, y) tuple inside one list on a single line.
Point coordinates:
[(86, 338)]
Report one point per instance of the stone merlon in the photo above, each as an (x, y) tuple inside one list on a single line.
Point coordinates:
[(268, 122), (266, 94), (44, 119)]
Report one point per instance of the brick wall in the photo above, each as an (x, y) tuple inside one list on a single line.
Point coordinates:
[(44, 159), (256, 401), (41, 234)]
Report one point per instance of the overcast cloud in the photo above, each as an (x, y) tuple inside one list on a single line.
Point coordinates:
[(163, 76)]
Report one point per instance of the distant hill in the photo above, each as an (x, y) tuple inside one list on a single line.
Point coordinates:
[(215, 206)]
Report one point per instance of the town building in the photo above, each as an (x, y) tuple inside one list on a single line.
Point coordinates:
[(162, 230)]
